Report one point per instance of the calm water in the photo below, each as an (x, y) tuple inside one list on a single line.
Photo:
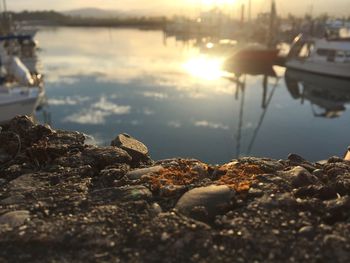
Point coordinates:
[(173, 98)]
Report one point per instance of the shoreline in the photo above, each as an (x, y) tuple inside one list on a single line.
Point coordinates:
[(62, 200)]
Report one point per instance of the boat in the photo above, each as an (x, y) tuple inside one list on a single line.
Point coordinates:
[(19, 100), (259, 57), (21, 90), (328, 55), (328, 96), (252, 60)]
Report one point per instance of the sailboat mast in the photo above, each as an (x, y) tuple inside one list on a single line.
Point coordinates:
[(5, 6), (250, 10), (242, 14), (273, 14)]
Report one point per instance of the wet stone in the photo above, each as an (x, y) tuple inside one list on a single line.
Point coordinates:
[(138, 173), (204, 203), (15, 218), (135, 148)]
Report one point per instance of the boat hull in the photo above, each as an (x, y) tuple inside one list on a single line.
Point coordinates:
[(23, 107), (323, 68)]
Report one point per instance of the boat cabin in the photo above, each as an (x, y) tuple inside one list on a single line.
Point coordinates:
[(320, 50)]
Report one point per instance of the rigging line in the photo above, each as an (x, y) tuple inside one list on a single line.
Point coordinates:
[(240, 124), (262, 117)]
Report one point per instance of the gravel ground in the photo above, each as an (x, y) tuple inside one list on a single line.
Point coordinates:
[(64, 201)]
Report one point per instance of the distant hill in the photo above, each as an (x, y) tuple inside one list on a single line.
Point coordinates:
[(94, 13), (103, 13)]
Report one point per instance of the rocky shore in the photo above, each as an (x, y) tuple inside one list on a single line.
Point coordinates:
[(64, 201)]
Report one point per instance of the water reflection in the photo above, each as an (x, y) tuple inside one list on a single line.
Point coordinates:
[(205, 67), (328, 96), (177, 100), (267, 95)]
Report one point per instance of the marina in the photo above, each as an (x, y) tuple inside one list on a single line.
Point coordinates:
[(178, 92)]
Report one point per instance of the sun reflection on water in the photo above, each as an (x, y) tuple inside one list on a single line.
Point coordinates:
[(204, 67)]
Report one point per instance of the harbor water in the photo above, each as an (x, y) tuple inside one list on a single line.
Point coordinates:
[(173, 96)]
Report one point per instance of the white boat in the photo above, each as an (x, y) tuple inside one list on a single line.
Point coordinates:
[(21, 90), (326, 56), (19, 101)]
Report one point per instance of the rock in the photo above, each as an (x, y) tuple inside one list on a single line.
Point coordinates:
[(338, 209), (307, 231), (127, 193), (253, 192), (137, 150), (335, 159), (101, 157), (156, 209), (13, 199), (296, 158), (326, 193), (15, 218), (204, 203), (333, 239), (138, 173), (24, 183), (2, 181), (301, 177)]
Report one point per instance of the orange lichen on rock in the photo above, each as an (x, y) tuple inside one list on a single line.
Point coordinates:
[(239, 176), (171, 179)]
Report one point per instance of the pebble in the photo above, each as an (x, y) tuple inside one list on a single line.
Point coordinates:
[(2, 181), (307, 231), (135, 148), (15, 218), (204, 203), (138, 173), (253, 192)]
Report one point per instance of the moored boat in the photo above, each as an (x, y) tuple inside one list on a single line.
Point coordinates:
[(326, 56)]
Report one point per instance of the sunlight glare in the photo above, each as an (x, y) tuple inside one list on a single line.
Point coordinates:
[(206, 68)]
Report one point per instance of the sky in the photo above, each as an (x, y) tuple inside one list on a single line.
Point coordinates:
[(299, 7)]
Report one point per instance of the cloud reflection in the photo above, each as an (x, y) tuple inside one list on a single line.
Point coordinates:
[(68, 101), (98, 112), (110, 107), (174, 124), (155, 95), (211, 125)]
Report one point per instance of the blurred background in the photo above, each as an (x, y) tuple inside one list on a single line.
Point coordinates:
[(212, 80)]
